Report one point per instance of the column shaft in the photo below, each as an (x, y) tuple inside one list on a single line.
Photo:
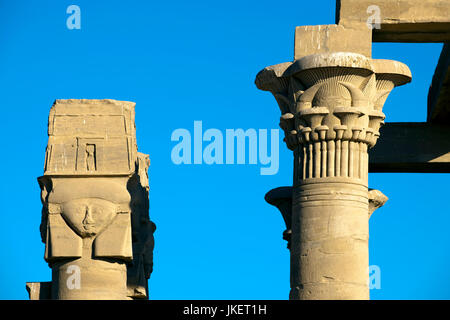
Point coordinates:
[(330, 232)]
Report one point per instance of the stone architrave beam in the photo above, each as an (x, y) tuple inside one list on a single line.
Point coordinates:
[(419, 147), (400, 20)]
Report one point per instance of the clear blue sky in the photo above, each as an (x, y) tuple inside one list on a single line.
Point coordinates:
[(182, 61)]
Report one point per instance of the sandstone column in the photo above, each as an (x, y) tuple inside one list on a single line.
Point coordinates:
[(281, 198), (95, 223), (331, 104)]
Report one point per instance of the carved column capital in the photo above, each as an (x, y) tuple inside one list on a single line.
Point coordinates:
[(331, 106)]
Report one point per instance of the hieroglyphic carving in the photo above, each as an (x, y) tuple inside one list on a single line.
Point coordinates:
[(91, 135), (331, 105), (94, 193)]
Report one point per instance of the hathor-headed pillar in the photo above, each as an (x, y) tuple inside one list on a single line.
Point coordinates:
[(331, 105), (95, 222)]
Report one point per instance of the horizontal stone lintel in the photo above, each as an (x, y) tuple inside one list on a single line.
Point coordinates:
[(411, 147), (400, 20)]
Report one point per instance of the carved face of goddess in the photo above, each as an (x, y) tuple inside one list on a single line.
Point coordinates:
[(88, 217)]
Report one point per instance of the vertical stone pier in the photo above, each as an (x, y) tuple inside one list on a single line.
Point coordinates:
[(331, 104), (95, 222)]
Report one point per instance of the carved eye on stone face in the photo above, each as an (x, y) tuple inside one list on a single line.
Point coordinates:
[(88, 217)]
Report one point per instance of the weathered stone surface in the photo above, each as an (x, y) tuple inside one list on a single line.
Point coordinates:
[(439, 93), (298, 88), (399, 20), (282, 199), (376, 200), (94, 191), (91, 137), (331, 104), (332, 38), (140, 269), (39, 290)]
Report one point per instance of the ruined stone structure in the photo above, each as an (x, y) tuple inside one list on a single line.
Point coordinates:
[(95, 222), (331, 99), (95, 216)]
